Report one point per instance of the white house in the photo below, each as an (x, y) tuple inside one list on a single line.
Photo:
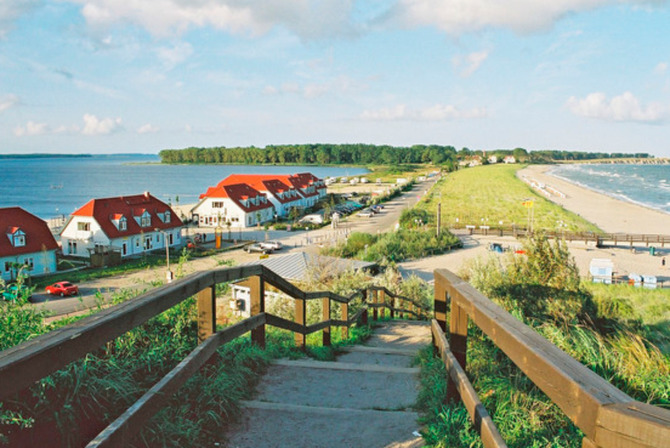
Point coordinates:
[(27, 241), (131, 224), (237, 205), (283, 195), (509, 159)]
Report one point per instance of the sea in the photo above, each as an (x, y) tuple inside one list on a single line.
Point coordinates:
[(51, 187), (646, 185)]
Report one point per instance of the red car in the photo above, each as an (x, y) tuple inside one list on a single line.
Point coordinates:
[(63, 289)]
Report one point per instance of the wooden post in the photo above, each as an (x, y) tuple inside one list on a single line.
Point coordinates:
[(391, 310), (382, 301), (300, 318), (345, 317), (206, 313), (458, 340), (374, 300), (440, 301), (364, 316), (257, 298), (326, 316)]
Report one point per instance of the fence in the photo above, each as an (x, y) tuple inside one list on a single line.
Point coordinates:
[(23, 365), (607, 416)]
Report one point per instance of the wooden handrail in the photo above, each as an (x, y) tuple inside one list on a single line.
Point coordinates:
[(22, 365), (607, 416)]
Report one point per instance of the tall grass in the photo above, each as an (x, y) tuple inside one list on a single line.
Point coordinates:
[(543, 290), (488, 195)]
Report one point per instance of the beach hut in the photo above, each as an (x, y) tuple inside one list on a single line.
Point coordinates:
[(601, 270)]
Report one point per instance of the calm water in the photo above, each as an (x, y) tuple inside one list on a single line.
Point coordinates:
[(647, 185), (50, 187)]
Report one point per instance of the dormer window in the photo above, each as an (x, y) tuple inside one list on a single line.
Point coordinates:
[(123, 223), (19, 239), (167, 217)]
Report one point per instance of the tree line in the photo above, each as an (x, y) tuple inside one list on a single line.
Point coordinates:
[(365, 154)]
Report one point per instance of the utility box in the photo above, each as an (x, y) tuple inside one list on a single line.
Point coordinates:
[(601, 270)]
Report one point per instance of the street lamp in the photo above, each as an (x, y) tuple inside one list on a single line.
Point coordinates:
[(168, 275)]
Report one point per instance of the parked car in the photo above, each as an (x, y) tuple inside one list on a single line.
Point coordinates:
[(257, 247), (14, 291), (63, 289), (272, 245), (366, 213)]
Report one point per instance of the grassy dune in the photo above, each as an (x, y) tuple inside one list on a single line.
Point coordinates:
[(488, 195)]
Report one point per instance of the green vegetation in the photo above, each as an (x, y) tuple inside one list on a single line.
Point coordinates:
[(401, 245), (543, 290), (366, 154), (488, 195)]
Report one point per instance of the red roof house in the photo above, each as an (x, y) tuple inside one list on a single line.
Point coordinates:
[(27, 241)]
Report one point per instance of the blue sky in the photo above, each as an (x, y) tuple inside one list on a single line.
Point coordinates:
[(104, 76)]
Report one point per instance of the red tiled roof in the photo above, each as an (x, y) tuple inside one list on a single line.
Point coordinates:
[(38, 235), (236, 193), (106, 209), (275, 183)]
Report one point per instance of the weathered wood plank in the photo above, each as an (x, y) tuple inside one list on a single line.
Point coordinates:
[(206, 301), (635, 424), (257, 305), (317, 326), (120, 432), (284, 324), (478, 414), (301, 319), (22, 365), (325, 337)]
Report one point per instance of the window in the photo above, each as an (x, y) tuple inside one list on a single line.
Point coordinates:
[(8, 266), (84, 226), (146, 220), (216, 204), (19, 240), (72, 247), (29, 263), (167, 217), (123, 224)]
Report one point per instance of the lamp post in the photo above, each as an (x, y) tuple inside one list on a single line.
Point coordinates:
[(168, 275)]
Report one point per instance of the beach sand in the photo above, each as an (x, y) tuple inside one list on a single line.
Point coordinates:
[(609, 214)]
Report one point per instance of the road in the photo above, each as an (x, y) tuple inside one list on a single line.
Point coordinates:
[(100, 291)]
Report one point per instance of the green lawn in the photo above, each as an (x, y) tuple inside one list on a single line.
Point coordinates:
[(488, 195)]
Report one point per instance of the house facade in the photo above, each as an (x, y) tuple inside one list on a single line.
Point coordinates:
[(283, 195), (235, 205), (130, 224), (310, 187), (27, 243)]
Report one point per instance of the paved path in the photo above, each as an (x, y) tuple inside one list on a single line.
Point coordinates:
[(293, 241), (364, 399)]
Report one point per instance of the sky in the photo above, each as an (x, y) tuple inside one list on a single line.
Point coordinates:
[(138, 76)]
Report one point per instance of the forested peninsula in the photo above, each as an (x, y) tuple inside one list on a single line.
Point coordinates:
[(366, 154)]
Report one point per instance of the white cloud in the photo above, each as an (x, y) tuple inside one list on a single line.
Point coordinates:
[(147, 129), (8, 102), (270, 90), (175, 55), (438, 112), (94, 126), (470, 63), (10, 10), (461, 16), (306, 18), (661, 68), (31, 128), (625, 107), (340, 85)]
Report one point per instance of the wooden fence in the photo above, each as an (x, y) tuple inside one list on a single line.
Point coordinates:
[(23, 365), (607, 416), (599, 239)]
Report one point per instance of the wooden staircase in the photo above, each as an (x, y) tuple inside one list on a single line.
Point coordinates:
[(364, 399)]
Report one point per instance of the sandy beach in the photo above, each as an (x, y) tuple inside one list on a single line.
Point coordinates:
[(609, 214)]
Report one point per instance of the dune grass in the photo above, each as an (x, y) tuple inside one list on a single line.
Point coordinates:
[(488, 195)]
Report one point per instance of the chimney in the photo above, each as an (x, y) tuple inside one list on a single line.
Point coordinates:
[(146, 194)]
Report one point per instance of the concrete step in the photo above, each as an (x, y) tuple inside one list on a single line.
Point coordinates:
[(354, 386), (281, 425)]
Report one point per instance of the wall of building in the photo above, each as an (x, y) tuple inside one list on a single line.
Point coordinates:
[(42, 263)]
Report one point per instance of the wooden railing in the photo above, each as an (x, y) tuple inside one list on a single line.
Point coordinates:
[(23, 365), (607, 416), (600, 239)]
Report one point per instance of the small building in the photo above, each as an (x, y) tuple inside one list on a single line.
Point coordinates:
[(509, 159), (601, 270), (297, 268), (492, 160), (131, 225), (27, 242), (235, 205)]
